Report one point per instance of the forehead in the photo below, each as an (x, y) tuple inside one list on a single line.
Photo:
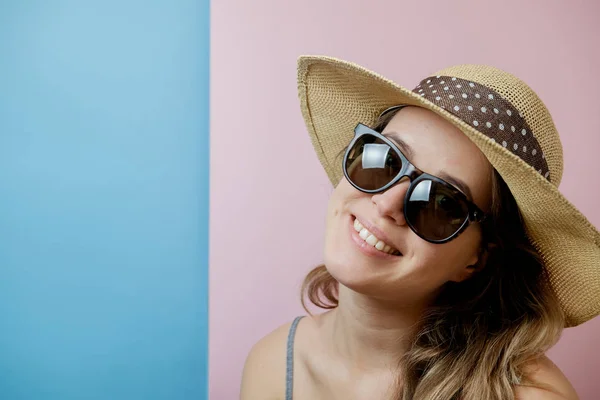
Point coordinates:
[(438, 148)]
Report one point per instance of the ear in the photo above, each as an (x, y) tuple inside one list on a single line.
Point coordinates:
[(467, 272), (476, 263)]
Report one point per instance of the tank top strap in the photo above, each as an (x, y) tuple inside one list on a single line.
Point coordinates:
[(289, 373)]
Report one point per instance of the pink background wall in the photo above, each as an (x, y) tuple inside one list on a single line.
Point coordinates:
[(268, 192)]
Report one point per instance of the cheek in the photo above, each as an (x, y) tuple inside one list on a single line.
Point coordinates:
[(340, 197), (336, 208), (439, 263), (334, 204)]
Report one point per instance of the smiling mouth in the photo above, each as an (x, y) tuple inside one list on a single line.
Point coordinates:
[(373, 240)]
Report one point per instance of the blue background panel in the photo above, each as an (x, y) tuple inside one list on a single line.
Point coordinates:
[(103, 199)]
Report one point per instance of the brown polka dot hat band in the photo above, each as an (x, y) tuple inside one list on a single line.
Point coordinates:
[(508, 123), (486, 110)]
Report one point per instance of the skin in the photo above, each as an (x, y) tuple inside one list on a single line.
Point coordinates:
[(352, 352)]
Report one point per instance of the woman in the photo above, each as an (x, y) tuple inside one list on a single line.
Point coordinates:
[(451, 262)]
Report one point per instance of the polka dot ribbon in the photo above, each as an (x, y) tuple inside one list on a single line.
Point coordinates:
[(489, 113)]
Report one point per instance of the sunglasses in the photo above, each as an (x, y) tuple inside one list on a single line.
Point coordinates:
[(434, 209)]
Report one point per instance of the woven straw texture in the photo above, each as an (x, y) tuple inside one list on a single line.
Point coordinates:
[(335, 95)]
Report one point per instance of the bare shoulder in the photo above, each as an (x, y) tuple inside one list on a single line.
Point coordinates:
[(551, 383), (264, 371)]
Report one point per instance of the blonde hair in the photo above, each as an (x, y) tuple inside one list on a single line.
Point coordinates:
[(475, 341)]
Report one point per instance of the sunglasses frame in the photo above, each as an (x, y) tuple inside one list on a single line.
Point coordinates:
[(415, 176)]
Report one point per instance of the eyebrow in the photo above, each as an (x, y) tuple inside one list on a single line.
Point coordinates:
[(405, 147), (462, 186), (409, 153)]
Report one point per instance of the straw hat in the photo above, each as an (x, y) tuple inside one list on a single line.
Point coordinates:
[(509, 124)]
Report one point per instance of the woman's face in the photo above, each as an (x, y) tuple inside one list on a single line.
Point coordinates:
[(440, 149)]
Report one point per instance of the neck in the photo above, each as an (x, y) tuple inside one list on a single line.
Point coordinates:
[(372, 334)]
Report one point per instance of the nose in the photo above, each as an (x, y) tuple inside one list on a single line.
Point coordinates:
[(390, 204)]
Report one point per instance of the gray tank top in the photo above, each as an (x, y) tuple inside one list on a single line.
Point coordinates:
[(289, 373)]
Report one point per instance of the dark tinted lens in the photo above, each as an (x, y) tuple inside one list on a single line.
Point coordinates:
[(435, 210), (371, 163)]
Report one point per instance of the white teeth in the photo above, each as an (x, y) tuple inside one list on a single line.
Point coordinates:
[(364, 233), (372, 239)]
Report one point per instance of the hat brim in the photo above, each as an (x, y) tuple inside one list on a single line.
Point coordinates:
[(335, 95)]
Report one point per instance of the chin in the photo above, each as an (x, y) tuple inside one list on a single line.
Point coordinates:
[(356, 274)]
